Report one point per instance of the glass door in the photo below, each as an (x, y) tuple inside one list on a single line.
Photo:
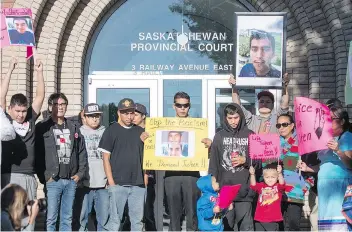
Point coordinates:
[(107, 91)]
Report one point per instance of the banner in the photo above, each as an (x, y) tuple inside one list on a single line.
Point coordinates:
[(348, 85), (175, 144), (313, 125), (264, 146)]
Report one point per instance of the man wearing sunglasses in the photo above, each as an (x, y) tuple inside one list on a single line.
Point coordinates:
[(180, 186), (262, 51), (266, 120)]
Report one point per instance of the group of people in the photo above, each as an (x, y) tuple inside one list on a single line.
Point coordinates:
[(84, 165)]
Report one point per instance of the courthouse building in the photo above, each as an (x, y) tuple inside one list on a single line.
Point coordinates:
[(104, 50)]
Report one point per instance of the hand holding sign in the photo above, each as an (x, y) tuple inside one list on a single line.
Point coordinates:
[(264, 146)]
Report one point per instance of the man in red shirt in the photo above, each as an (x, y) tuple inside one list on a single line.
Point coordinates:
[(268, 212)]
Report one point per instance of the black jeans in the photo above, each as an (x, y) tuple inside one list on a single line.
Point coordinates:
[(240, 218), (182, 193), (266, 226), (292, 213)]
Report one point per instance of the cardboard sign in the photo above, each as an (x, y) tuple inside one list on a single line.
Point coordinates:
[(17, 27), (264, 146), (175, 144), (313, 125), (227, 195)]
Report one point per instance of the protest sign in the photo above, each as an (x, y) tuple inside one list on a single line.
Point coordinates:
[(264, 146), (175, 144), (313, 125), (227, 195), (17, 27)]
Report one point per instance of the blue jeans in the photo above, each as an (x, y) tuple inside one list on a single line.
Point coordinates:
[(61, 194), (99, 198), (119, 195)]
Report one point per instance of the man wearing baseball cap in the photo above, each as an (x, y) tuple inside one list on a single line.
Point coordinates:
[(122, 150), (140, 115), (94, 192), (149, 177), (266, 120)]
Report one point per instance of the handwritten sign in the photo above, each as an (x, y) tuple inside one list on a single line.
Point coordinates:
[(175, 144), (264, 146), (17, 27), (313, 125), (227, 195)]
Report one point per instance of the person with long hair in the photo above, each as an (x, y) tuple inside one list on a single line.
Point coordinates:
[(14, 207), (334, 172)]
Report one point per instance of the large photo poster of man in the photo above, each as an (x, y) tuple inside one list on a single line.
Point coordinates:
[(175, 144), (260, 41)]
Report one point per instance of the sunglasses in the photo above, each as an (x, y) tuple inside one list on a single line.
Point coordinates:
[(285, 124), (178, 105)]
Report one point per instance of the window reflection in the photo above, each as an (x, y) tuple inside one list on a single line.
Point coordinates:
[(112, 50), (192, 87), (108, 99)]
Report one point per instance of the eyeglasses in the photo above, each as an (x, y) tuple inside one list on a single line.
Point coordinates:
[(62, 104), (285, 124), (179, 105)]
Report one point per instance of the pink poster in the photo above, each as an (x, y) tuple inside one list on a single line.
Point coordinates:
[(264, 146), (227, 195), (17, 27), (313, 125)]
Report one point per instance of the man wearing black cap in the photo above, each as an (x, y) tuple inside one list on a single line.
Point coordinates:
[(140, 115), (122, 158), (265, 121), (149, 176)]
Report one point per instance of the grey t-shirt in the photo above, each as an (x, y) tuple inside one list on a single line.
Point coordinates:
[(96, 175), (254, 121)]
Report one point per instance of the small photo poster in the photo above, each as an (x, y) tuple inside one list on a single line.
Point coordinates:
[(17, 27), (175, 144)]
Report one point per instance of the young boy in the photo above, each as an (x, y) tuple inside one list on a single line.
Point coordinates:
[(208, 212), (268, 212)]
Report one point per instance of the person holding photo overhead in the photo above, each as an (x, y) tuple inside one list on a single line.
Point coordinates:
[(21, 34), (262, 51)]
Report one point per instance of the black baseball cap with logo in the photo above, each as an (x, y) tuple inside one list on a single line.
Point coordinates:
[(126, 104), (92, 108), (141, 109)]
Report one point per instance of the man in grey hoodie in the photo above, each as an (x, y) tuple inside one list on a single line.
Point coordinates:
[(95, 193)]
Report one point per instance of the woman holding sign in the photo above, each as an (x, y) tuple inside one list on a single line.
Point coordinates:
[(293, 198), (335, 173)]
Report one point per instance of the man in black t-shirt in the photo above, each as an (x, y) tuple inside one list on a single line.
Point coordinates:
[(18, 155), (122, 149)]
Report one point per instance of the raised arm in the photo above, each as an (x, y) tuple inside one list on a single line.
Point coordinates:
[(285, 97), (236, 99), (252, 180), (6, 81), (40, 94)]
